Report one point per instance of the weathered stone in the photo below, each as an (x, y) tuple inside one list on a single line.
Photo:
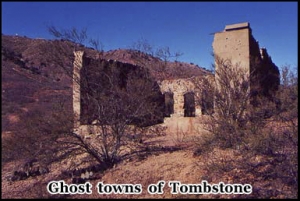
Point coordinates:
[(237, 45)]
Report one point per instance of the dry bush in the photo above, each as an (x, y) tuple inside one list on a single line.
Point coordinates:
[(267, 130), (115, 97), (42, 136)]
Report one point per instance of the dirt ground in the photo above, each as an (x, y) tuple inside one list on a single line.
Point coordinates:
[(178, 162), (177, 165)]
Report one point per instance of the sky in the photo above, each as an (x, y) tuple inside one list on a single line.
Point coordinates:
[(185, 27)]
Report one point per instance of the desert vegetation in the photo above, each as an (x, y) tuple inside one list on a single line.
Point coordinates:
[(252, 141)]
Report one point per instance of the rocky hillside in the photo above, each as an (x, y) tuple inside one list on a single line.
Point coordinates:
[(159, 68)]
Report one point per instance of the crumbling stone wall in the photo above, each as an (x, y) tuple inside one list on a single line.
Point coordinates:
[(77, 65), (237, 45), (233, 44), (93, 79), (180, 87), (184, 97), (266, 75)]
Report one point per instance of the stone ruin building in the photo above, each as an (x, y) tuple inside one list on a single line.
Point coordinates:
[(237, 45), (99, 82), (179, 105)]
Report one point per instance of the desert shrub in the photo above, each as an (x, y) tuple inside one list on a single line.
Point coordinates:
[(262, 136)]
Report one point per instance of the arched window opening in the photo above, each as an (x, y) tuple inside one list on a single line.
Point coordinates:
[(189, 104), (169, 104)]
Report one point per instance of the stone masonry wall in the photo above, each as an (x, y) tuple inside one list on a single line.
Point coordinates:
[(179, 87), (237, 45)]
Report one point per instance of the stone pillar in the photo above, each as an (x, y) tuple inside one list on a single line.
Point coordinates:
[(198, 111), (77, 65), (178, 104)]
